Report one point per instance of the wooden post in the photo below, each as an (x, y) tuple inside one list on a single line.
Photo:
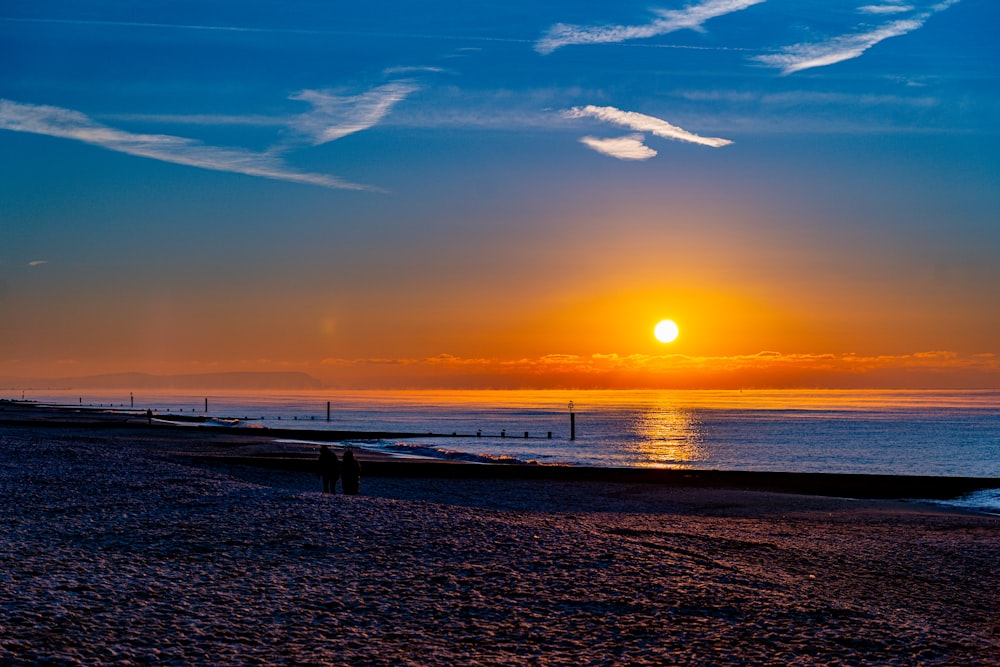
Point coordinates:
[(572, 422), (328, 410), (206, 405)]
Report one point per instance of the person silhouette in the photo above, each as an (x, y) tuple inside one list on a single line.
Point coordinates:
[(352, 473), (329, 468)]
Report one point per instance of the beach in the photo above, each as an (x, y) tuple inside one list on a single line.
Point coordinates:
[(118, 550)]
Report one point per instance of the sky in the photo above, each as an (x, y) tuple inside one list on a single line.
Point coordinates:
[(485, 194)]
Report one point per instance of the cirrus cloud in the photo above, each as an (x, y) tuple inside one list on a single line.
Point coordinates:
[(69, 124), (670, 20), (802, 56), (334, 116)]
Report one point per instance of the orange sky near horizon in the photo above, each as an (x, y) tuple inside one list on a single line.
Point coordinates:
[(749, 335)]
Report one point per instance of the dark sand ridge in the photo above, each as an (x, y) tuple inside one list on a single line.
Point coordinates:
[(257, 447)]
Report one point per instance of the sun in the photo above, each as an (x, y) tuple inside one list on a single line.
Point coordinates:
[(666, 331)]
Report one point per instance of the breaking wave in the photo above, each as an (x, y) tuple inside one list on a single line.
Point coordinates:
[(426, 451)]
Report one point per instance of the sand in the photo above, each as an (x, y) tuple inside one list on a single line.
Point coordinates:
[(115, 552)]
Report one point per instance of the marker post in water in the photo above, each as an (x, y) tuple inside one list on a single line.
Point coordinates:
[(572, 422)]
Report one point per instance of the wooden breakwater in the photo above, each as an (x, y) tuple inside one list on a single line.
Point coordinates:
[(819, 484)]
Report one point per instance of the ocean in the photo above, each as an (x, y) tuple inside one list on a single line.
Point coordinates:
[(951, 433), (940, 433)]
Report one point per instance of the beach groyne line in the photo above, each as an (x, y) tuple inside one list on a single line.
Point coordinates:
[(842, 485), (23, 415), (132, 423)]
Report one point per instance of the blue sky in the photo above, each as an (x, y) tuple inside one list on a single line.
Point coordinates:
[(397, 182)]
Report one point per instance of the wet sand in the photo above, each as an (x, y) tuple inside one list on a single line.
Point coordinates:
[(115, 550)]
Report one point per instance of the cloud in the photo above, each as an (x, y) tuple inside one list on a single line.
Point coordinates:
[(798, 57), (275, 31), (643, 123), (763, 369), (885, 9), (68, 124), (37, 262), (418, 69), (200, 119), (334, 116), (670, 20), (623, 148)]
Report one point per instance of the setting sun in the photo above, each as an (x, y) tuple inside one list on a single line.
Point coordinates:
[(666, 331)]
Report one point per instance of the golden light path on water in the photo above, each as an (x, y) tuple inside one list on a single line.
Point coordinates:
[(668, 437)]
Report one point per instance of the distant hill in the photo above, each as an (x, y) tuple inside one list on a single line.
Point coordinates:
[(234, 380)]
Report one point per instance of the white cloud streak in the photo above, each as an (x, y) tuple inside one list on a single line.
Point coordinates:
[(414, 69), (798, 57), (276, 31), (69, 124), (670, 20), (37, 262), (643, 123), (199, 119), (885, 9), (630, 147), (334, 116)]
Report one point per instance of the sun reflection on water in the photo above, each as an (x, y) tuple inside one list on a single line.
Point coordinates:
[(668, 438)]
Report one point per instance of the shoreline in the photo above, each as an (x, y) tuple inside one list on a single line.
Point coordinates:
[(221, 445)]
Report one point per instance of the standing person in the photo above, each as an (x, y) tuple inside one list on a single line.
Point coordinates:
[(329, 469), (352, 473)]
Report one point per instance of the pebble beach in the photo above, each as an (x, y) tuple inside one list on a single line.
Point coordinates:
[(115, 551)]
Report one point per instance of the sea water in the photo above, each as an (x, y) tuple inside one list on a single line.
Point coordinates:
[(948, 433), (940, 433)]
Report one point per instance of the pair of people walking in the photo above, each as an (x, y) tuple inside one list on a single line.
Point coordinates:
[(330, 469)]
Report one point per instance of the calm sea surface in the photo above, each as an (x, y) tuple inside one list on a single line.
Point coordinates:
[(897, 432)]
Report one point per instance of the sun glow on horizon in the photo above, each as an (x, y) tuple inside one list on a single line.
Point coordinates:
[(666, 331)]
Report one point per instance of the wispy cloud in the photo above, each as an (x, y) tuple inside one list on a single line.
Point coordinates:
[(643, 123), (248, 120), (37, 262), (623, 148), (885, 9), (322, 32), (414, 69), (69, 124), (804, 98), (798, 57), (670, 20), (334, 116)]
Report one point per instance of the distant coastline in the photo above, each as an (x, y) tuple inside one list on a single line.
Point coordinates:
[(235, 380)]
